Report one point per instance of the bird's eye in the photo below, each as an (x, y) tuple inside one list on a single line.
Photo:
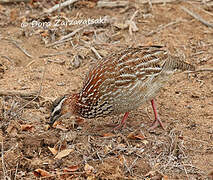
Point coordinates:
[(57, 112)]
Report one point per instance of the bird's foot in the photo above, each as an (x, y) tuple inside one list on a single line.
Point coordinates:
[(123, 122), (119, 126), (157, 123)]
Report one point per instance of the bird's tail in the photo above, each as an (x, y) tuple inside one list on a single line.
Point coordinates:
[(174, 63)]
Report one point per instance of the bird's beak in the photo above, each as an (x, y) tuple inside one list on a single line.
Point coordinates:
[(56, 117), (53, 119)]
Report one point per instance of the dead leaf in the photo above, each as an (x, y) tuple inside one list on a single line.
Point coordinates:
[(91, 178), (71, 168), (140, 136), (145, 142), (41, 173), (53, 150), (165, 177), (14, 14), (1, 136), (108, 135), (107, 148), (121, 159), (61, 127), (131, 135), (45, 33), (88, 4), (121, 25), (150, 174), (63, 153), (2, 8), (88, 33), (27, 127), (136, 137), (120, 146), (211, 174), (12, 129), (57, 125), (88, 169)]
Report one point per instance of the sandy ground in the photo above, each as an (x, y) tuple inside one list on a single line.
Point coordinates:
[(34, 72)]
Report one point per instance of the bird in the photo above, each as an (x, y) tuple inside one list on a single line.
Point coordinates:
[(121, 83)]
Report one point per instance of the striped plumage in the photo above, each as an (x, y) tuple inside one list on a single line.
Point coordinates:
[(121, 82)]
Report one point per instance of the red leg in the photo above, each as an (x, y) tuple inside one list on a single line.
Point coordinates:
[(122, 121), (157, 121)]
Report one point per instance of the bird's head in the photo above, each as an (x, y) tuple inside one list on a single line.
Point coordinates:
[(62, 107)]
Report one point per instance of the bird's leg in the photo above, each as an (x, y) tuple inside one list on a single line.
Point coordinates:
[(123, 121), (157, 121)]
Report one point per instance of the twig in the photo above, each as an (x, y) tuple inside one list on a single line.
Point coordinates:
[(125, 164), (201, 70), (198, 7), (60, 174), (133, 163), (16, 171), (61, 5), (2, 159), (19, 47), (196, 16), (58, 42), (132, 25), (112, 4), (96, 53), (185, 171), (31, 62), (161, 27), (12, 1), (66, 38), (158, 1), (40, 89), (197, 140), (123, 3), (24, 95), (150, 4), (55, 54), (6, 57), (55, 61)]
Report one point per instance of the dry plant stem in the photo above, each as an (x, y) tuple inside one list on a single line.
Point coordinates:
[(2, 159), (19, 47), (196, 16), (133, 163), (6, 57), (197, 7), (16, 171), (61, 5), (158, 1), (132, 25), (161, 27), (12, 1), (67, 37), (96, 53), (55, 54), (201, 70), (24, 95), (31, 62), (58, 42), (39, 92), (112, 4), (150, 4)]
